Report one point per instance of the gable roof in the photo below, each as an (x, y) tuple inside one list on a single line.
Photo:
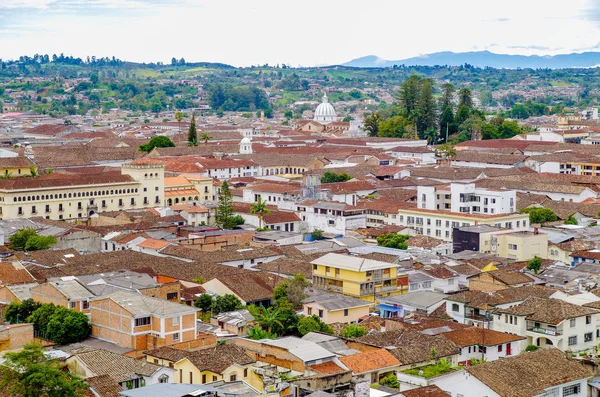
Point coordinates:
[(532, 369), (142, 305), (118, 367), (411, 347), (215, 359), (479, 336), (370, 360), (549, 311)]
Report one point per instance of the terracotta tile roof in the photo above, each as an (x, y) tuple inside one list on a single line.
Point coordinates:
[(439, 272), (253, 286), (411, 347), (215, 359), (378, 231), (504, 143), (14, 273), (385, 205), (371, 360), (48, 129), (511, 277), (424, 241), (487, 157), (290, 188), (426, 391), (348, 187), (192, 208), (466, 269), (483, 300), (577, 244), (327, 368), (104, 386), (153, 244), (53, 180), (118, 367), (288, 266), (533, 369), (16, 162), (591, 254), (549, 311), (478, 336)]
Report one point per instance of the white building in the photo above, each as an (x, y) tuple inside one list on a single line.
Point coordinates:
[(467, 199), (543, 373), (330, 217), (550, 323)]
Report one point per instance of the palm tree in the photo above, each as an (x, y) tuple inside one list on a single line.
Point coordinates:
[(7, 175), (205, 137), (268, 317), (260, 208), (33, 172), (179, 117), (257, 334)]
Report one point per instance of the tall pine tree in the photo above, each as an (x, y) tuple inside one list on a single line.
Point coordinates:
[(193, 133), (224, 216), (426, 109)]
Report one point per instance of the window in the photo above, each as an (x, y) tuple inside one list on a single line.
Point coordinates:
[(455, 307), (176, 336), (171, 295), (321, 313), (73, 305), (214, 378), (309, 311), (163, 379), (573, 322), (175, 320), (572, 390), (588, 320), (203, 378), (427, 284), (60, 207), (143, 321), (86, 305), (345, 312), (47, 207), (232, 377), (33, 210), (315, 267), (499, 348), (245, 372), (572, 340), (588, 337)]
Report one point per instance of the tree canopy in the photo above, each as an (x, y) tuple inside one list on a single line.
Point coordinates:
[(27, 239), (332, 177), (29, 373), (313, 324), (157, 141), (393, 240)]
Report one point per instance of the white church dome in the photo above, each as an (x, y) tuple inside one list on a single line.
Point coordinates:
[(325, 113), (246, 141)]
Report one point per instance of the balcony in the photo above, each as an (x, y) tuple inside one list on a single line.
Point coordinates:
[(334, 288), (478, 317), (545, 331)]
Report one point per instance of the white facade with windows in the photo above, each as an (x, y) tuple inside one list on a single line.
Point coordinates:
[(466, 198)]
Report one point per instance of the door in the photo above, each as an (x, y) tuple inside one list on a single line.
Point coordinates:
[(508, 345)]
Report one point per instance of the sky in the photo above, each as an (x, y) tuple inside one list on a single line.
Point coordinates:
[(294, 32)]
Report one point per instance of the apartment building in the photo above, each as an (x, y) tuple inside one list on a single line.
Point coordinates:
[(331, 217), (466, 198), (61, 197), (518, 245), (140, 322), (358, 277), (440, 224)]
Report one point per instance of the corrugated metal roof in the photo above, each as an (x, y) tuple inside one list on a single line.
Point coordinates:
[(305, 350)]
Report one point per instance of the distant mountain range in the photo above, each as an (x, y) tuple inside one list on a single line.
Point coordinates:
[(486, 58)]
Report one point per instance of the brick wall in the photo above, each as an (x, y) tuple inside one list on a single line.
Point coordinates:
[(16, 336)]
